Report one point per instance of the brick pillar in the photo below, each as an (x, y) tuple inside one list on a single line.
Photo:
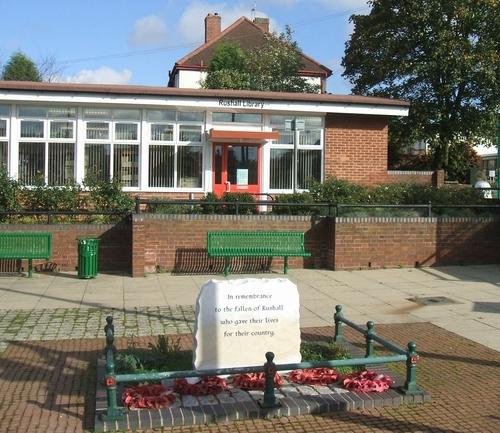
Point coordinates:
[(263, 23), (212, 26), (138, 245), (438, 178)]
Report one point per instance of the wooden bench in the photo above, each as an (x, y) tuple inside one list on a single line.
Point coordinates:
[(255, 244), (26, 245)]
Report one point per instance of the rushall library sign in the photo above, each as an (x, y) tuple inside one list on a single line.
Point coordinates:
[(241, 103)]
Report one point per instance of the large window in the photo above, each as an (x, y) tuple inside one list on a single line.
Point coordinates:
[(46, 144), (4, 121), (112, 144), (307, 159), (175, 149), (226, 117)]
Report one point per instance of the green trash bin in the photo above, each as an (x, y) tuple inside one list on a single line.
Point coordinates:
[(88, 256)]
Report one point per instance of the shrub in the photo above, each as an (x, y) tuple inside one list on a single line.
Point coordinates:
[(107, 195), (9, 189), (207, 207), (304, 198), (245, 200), (339, 191)]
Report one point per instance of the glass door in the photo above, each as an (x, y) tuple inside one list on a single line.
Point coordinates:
[(236, 168)]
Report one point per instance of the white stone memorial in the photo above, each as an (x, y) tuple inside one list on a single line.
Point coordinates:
[(238, 321)]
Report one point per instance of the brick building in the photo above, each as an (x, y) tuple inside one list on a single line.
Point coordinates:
[(191, 141)]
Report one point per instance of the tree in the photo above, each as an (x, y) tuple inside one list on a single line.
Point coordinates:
[(443, 56), (274, 66), (48, 69), (21, 68)]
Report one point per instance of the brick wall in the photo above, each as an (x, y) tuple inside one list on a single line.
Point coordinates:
[(114, 246), (435, 178), (178, 242), (356, 148), (362, 243)]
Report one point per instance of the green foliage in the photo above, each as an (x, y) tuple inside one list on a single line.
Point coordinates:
[(313, 352), (335, 191), (207, 207), (274, 66), (107, 195), (164, 355), (244, 199), (441, 56), (21, 68), (304, 198), (9, 189), (170, 208)]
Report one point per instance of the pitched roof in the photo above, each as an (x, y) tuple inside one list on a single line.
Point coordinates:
[(248, 35)]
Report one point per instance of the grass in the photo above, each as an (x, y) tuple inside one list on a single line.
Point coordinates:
[(312, 352)]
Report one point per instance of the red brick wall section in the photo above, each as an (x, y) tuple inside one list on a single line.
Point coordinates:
[(356, 148), (179, 242), (362, 243), (114, 246)]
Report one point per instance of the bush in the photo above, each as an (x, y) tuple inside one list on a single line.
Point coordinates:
[(304, 198), (246, 200), (9, 190), (339, 191), (207, 206), (107, 195)]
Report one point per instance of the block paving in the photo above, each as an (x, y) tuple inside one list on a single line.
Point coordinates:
[(49, 386)]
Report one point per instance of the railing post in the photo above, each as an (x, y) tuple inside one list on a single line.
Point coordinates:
[(429, 206), (338, 324), (410, 386), (269, 400), (368, 337), (237, 208), (137, 204), (114, 413)]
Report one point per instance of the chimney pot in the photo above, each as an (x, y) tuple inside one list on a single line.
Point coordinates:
[(212, 26), (263, 23)]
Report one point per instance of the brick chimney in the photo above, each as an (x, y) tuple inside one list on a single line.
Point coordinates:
[(212, 26), (263, 23)]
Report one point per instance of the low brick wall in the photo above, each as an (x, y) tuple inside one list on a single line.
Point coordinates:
[(178, 242), (435, 178), (115, 249), (362, 243)]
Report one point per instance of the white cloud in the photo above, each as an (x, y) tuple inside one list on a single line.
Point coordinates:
[(345, 5), (192, 21), (148, 31), (102, 75)]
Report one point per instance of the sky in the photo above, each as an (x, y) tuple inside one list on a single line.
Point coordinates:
[(138, 42)]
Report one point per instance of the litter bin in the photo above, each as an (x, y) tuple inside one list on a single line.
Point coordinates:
[(88, 256)]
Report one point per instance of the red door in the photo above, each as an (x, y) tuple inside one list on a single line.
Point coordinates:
[(236, 168)]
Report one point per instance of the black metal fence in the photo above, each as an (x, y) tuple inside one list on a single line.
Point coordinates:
[(53, 217)]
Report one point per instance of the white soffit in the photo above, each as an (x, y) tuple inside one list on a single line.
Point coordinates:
[(240, 104)]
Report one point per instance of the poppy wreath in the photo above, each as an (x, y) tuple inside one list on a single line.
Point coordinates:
[(367, 381), (314, 376), (249, 381), (148, 397), (208, 385)]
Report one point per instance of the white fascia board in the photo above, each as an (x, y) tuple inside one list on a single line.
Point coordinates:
[(238, 104)]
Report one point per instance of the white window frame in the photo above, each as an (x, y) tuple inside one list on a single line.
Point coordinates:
[(5, 139)]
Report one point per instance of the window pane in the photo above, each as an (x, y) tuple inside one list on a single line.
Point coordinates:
[(3, 154), (126, 114), (242, 158), (61, 163), (126, 131), (161, 166), (3, 128), (126, 164), (247, 118), (62, 112), (279, 121), (61, 129), (31, 129), (97, 113), (309, 167), (162, 132), (97, 131), (161, 116), (310, 137), (190, 133), (281, 169), (4, 110), (31, 162), (26, 111), (285, 137), (97, 160), (189, 166), (222, 117), (191, 116)]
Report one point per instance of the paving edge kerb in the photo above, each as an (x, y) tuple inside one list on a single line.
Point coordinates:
[(237, 405)]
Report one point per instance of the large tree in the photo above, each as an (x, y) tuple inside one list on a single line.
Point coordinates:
[(443, 56), (274, 66), (21, 68)]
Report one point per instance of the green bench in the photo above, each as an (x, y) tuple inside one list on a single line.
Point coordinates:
[(255, 244), (26, 245)]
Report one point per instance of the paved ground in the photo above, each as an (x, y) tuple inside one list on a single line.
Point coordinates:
[(48, 386), (62, 306)]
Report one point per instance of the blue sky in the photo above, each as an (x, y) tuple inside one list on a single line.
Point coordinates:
[(138, 42)]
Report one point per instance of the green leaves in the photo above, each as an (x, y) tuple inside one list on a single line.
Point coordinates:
[(21, 68), (442, 56)]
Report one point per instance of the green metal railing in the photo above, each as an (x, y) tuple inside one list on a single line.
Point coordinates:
[(269, 401)]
